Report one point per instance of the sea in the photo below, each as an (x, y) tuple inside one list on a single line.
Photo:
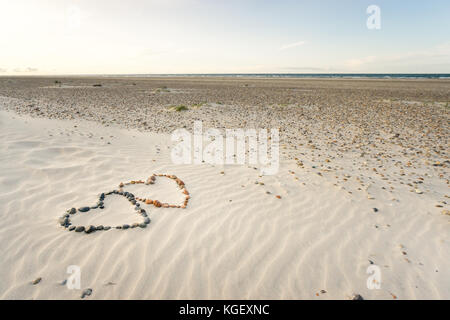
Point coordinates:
[(301, 75)]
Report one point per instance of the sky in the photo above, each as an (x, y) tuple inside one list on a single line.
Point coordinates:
[(44, 37)]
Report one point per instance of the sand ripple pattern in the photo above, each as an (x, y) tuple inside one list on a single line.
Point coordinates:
[(235, 240)]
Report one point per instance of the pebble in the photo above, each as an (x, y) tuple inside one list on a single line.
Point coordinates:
[(79, 229), (64, 221), (90, 229), (84, 209), (36, 281), (357, 297), (86, 293)]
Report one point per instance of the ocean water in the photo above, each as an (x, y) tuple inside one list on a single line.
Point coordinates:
[(303, 75)]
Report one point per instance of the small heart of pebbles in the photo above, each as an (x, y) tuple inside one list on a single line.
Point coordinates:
[(64, 221)]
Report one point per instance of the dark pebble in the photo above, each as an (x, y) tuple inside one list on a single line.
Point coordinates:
[(125, 226), (79, 229), (86, 293), (84, 209), (90, 229), (71, 228)]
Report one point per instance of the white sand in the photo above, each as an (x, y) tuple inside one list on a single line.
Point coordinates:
[(234, 241)]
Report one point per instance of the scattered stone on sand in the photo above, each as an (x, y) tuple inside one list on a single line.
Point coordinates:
[(357, 297), (84, 209), (86, 293), (36, 281)]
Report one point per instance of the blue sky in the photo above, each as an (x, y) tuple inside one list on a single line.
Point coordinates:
[(197, 36)]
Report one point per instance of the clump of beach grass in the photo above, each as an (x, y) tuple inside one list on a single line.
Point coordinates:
[(178, 108)]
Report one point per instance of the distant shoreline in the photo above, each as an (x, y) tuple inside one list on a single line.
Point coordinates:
[(347, 76)]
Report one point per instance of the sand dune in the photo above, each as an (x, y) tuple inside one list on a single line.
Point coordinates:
[(235, 240)]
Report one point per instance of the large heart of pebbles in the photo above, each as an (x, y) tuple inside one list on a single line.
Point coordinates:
[(135, 202)]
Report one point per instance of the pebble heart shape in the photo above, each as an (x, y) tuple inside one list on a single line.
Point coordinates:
[(64, 221)]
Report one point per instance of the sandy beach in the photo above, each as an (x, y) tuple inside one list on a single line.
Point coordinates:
[(363, 181)]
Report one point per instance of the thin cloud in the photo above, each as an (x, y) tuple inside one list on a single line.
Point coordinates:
[(292, 45), (438, 55), (315, 69), (29, 69), (359, 62)]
